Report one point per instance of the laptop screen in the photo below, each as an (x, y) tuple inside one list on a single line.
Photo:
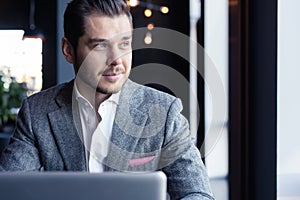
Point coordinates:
[(83, 186)]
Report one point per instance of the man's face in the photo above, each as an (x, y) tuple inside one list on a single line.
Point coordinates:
[(104, 53)]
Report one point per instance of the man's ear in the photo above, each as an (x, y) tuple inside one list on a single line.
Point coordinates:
[(68, 50)]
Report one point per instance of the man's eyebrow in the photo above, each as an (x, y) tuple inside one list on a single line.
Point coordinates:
[(97, 40), (127, 37), (100, 40)]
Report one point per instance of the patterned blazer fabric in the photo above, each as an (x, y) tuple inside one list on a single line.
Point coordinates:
[(149, 134)]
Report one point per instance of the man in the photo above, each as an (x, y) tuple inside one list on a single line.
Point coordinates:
[(102, 121)]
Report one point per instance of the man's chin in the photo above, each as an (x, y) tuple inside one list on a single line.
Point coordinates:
[(108, 90), (111, 88)]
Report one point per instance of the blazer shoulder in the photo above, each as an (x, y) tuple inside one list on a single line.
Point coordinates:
[(154, 92), (52, 91), (48, 97)]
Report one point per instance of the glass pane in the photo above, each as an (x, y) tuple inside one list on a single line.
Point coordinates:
[(288, 148), (216, 70)]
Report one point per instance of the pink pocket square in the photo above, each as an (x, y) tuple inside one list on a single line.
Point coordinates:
[(140, 161)]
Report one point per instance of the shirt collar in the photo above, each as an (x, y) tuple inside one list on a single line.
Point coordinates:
[(77, 93), (114, 98)]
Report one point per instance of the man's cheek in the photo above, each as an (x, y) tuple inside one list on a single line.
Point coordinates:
[(94, 63)]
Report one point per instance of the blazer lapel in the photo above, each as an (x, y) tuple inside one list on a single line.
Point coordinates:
[(125, 133), (67, 137)]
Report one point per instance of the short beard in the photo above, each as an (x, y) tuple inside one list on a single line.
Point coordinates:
[(105, 91)]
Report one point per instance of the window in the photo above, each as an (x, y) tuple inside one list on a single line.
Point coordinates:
[(21, 60)]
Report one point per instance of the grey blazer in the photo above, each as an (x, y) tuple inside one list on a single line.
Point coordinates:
[(149, 133)]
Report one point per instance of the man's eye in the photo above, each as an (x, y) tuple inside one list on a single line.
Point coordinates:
[(125, 44), (101, 46)]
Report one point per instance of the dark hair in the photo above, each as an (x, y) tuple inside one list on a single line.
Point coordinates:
[(77, 10)]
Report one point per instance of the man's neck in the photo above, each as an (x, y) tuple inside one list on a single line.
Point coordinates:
[(91, 94)]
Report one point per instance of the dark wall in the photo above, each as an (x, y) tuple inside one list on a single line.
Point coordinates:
[(177, 19), (14, 14), (160, 59), (46, 20), (253, 100)]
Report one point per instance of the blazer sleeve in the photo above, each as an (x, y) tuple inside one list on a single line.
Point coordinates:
[(187, 177), (21, 154)]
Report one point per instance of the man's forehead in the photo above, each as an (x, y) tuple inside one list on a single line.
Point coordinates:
[(104, 20), (109, 28)]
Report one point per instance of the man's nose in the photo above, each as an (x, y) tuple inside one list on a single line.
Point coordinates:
[(116, 61), (114, 58)]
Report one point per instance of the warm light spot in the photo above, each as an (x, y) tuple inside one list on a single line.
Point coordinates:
[(148, 13), (148, 38), (132, 3), (164, 9), (150, 26)]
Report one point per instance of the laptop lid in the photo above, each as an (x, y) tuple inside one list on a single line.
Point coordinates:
[(83, 186)]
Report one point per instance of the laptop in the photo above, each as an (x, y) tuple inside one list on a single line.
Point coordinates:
[(83, 186)]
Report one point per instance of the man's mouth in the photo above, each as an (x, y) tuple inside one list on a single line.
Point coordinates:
[(112, 76)]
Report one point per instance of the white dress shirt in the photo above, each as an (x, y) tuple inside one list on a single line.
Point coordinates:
[(96, 135)]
